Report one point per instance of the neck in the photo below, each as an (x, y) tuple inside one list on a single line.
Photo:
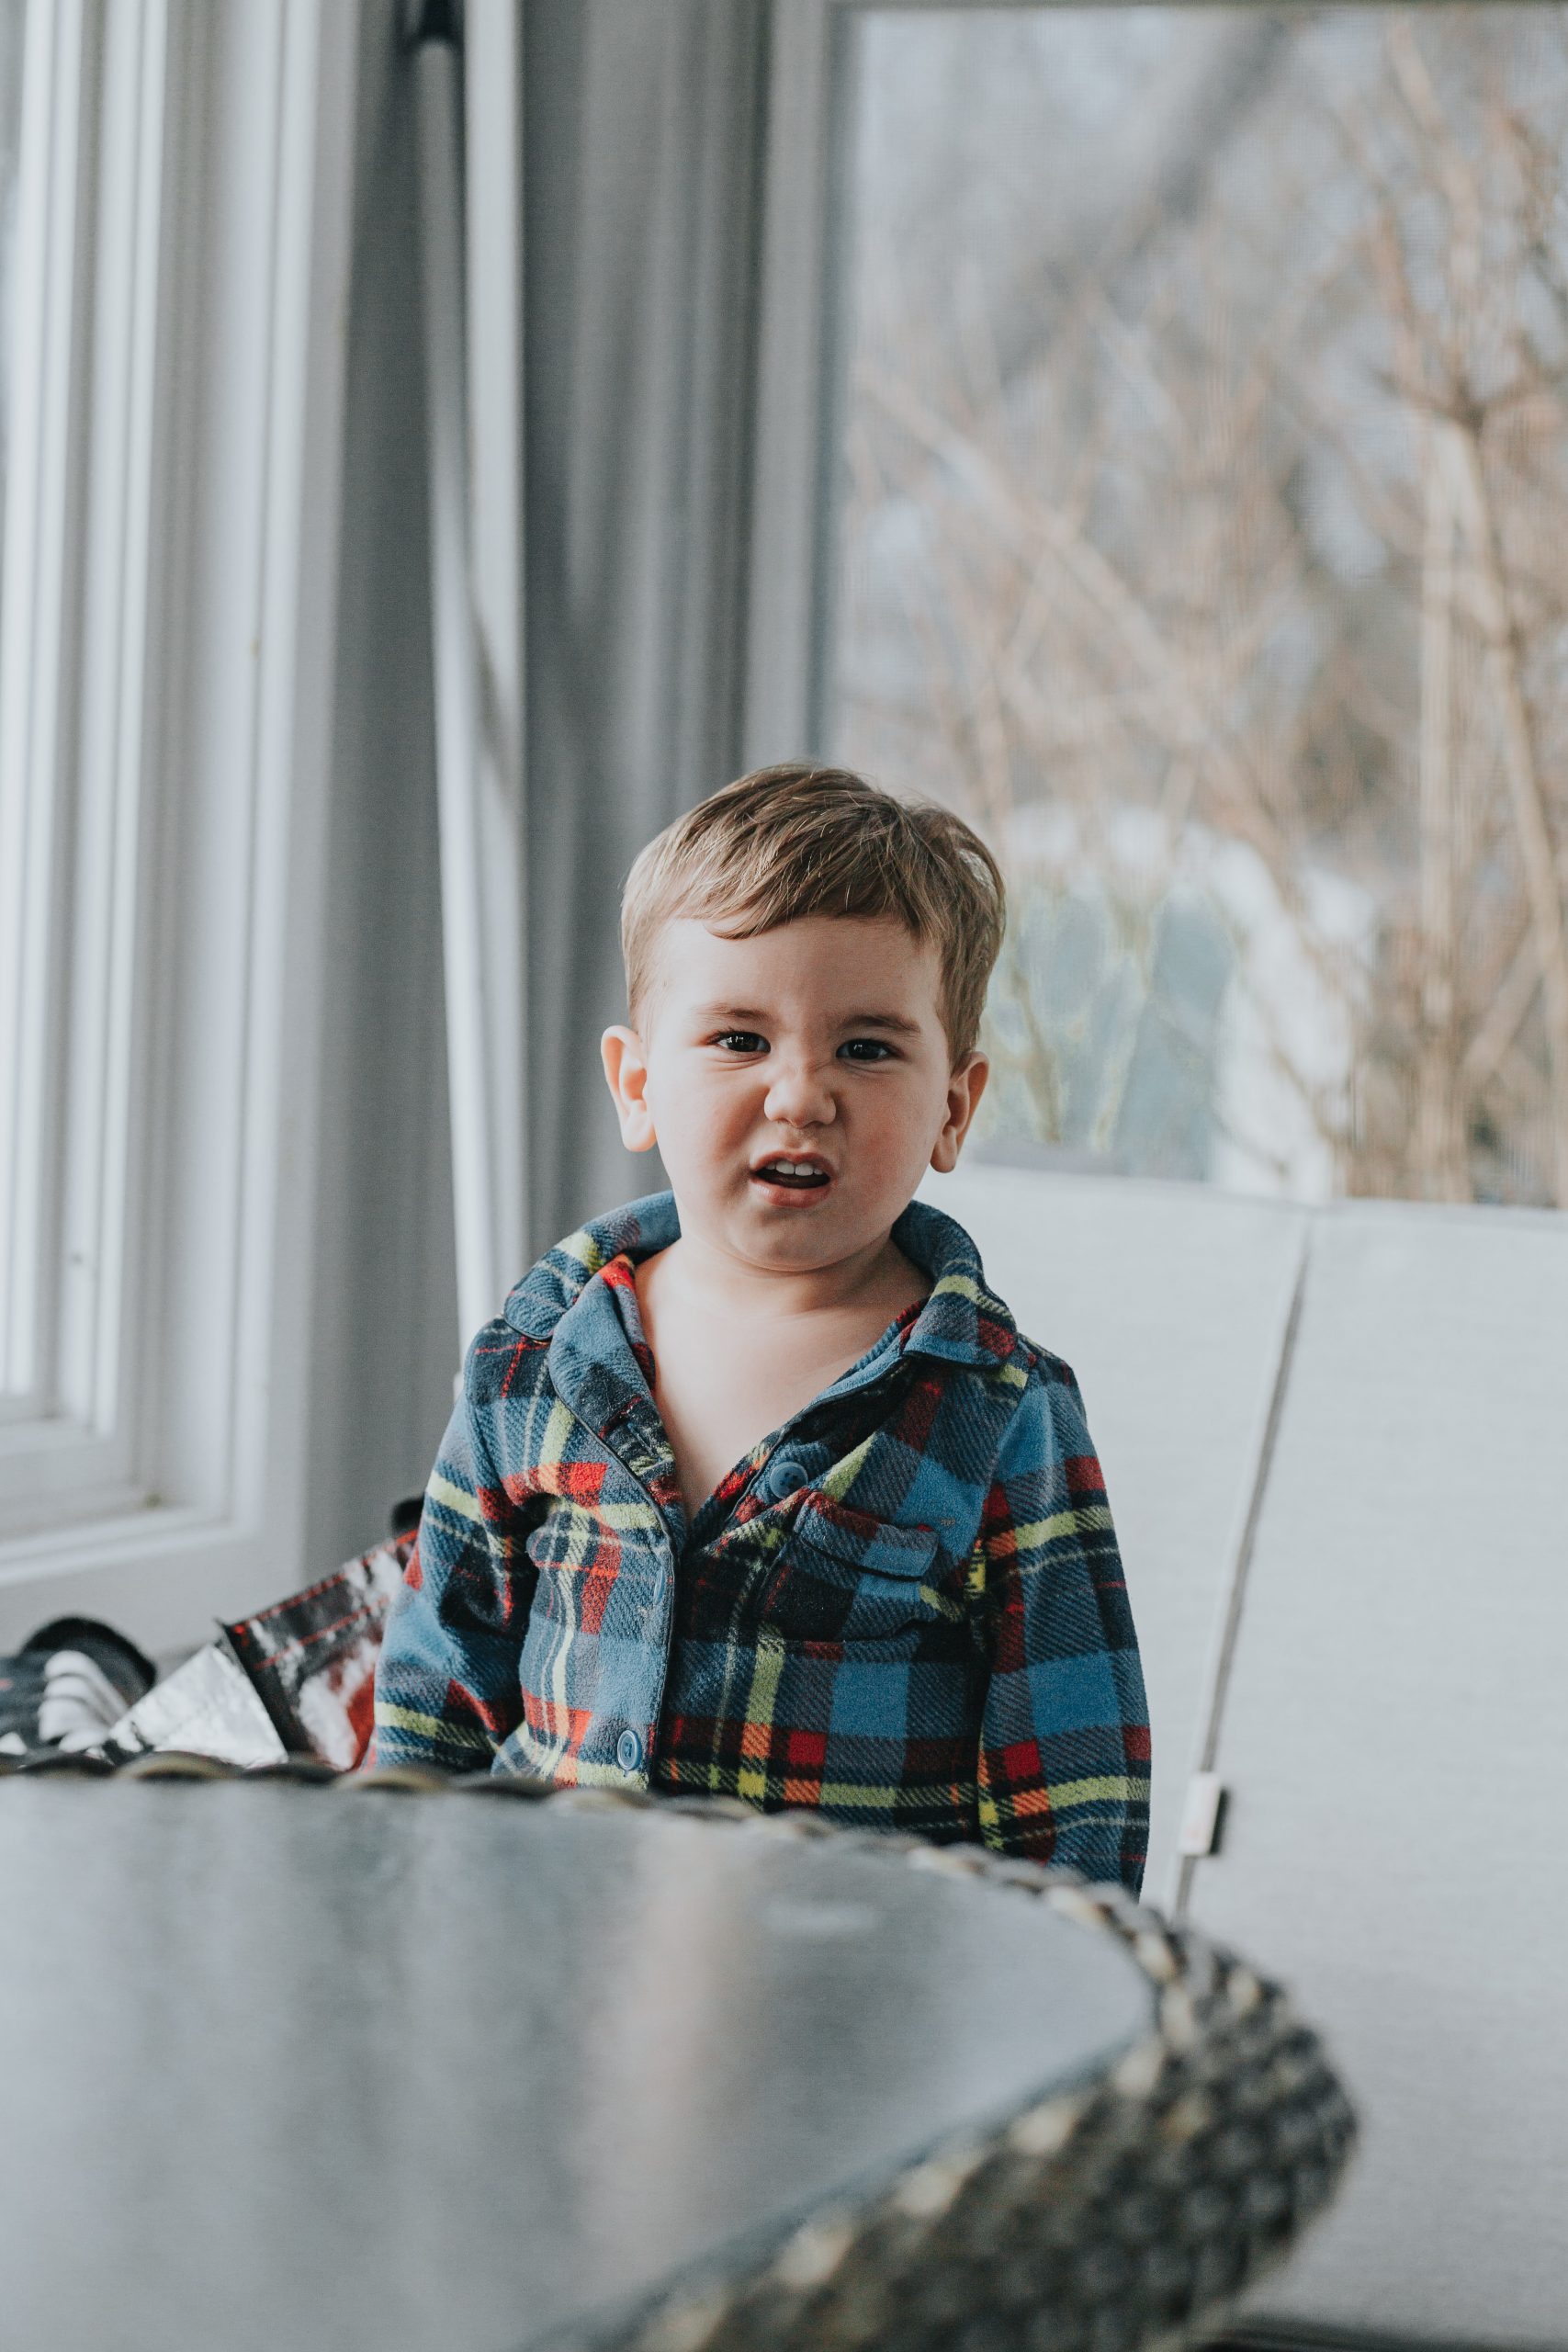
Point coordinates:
[(733, 1290)]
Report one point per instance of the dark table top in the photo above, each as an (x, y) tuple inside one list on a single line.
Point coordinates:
[(345, 2067)]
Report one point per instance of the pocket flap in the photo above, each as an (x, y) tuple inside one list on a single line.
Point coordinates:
[(861, 1541)]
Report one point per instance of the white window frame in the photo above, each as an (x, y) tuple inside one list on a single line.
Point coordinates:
[(166, 630)]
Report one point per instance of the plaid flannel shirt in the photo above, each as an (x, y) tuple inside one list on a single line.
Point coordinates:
[(904, 1608)]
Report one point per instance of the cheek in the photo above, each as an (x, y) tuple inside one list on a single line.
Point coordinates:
[(699, 1102), (903, 1117)]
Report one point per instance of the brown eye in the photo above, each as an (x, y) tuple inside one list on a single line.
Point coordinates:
[(742, 1040), (875, 1043)]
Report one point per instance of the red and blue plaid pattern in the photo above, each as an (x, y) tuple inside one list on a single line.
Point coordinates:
[(904, 1608)]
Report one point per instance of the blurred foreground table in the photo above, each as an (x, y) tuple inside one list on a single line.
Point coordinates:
[(362, 2067)]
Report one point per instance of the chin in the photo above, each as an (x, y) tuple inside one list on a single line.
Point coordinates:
[(782, 1240)]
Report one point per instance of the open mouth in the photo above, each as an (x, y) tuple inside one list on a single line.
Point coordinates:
[(787, 1174)]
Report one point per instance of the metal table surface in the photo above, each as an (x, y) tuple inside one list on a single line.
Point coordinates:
[(346, 2067)]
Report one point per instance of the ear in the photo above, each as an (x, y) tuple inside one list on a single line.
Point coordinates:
[(626, 1073), (964, 1089)]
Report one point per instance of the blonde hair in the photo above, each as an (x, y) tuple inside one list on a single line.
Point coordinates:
[(797, 839)]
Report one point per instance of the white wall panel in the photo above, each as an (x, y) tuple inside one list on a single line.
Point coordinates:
[(1395, 1743), (1171, 1304)]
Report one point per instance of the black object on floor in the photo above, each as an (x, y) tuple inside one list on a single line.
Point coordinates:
[(67, 1683), (403, 1518)]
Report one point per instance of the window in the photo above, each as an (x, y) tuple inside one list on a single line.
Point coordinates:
[(1200, 463), (13, 24), (176, 187)]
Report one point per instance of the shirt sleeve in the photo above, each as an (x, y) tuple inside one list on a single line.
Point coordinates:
[(1062, 1772), (448, 1686)]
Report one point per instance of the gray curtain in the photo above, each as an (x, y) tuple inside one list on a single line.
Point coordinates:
[(642, 131), (642, 127), (385, 1341)]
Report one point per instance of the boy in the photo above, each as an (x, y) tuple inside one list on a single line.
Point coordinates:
[(755, 1488)]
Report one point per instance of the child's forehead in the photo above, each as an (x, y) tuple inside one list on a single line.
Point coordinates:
[(823, 959)]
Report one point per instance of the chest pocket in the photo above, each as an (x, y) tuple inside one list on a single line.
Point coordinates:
[(842, 1576)]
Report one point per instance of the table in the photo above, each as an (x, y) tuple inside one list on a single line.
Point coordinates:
[(375, 2064)]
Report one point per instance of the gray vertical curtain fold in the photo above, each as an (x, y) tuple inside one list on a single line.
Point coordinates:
[(386, 1335), (642, 131), (643, 124)]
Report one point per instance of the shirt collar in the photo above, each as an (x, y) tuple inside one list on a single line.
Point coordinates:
[(557, 1280), (961, 1321)]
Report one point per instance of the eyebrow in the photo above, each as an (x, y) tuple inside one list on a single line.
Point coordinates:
[(898, 1023)]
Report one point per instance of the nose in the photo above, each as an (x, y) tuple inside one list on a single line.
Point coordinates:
[(798, 1093)]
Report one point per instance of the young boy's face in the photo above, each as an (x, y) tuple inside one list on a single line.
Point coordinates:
[(820, 1041)]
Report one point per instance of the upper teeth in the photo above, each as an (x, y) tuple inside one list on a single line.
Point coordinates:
[(792, 1167)]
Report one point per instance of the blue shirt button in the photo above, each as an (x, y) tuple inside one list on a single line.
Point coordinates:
[(783, 1478), (628, 1750)]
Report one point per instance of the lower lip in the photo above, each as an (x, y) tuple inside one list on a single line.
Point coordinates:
[(790, 1196)]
